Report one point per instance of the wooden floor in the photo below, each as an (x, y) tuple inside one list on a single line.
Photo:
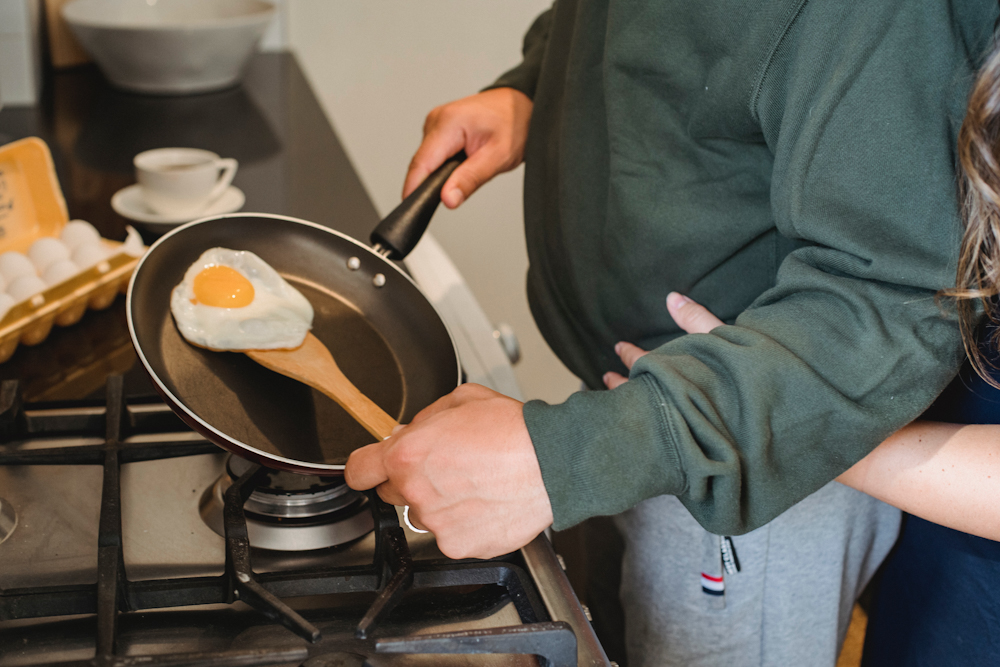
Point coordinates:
[(850, 654)]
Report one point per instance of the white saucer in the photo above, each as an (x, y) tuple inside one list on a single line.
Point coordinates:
[(128, 203)]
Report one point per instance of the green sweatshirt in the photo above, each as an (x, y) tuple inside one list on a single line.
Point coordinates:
[(788, 164)]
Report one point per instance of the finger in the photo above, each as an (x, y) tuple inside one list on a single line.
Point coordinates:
[(387, 492), (690, 316), (469, 391), (478, 168), (444, 403), (612, 380), (365, 467), (437, 146), (628, 353)]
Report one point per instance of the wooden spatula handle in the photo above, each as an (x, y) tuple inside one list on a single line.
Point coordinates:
[(359, 406), (313, 364)]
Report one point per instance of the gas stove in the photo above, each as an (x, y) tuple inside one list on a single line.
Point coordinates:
[(126, 539)]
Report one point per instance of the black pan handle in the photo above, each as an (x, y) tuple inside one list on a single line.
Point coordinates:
[(399, 232)]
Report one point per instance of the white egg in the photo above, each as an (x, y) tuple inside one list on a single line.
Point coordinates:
[(47, 251), (132, 245), (6, 303), (88, 254), (60, 271), (78, 232), (277, 317), (13, 265), (25, 287)]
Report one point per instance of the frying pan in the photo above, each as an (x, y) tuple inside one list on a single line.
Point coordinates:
[(382, 330)]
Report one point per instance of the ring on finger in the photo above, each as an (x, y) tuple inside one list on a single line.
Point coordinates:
[(406, 520)]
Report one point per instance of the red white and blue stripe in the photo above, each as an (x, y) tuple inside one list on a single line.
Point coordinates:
[(712, 585)]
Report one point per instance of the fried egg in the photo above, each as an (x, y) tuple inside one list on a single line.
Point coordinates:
[(234, 300)]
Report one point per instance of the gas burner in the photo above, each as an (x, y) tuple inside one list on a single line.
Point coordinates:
[(8, 519), (292, 512)]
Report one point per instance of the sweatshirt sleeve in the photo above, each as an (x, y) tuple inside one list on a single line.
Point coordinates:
[(524, 77), (850, 344)]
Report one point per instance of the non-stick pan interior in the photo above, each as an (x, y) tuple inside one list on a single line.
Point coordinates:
[(388, 340)]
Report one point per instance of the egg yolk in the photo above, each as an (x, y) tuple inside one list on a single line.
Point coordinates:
[(222, 287)]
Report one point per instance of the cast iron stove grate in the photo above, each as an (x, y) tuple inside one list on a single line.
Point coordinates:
[(390, 575)]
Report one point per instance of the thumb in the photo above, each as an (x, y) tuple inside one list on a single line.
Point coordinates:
[(365, 467), (477, 169), (690, 316), (436, 147)]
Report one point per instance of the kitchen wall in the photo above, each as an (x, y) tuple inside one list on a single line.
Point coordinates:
[(378, 67), (276, 37), (20, 64)]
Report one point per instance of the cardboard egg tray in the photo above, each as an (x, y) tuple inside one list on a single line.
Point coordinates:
[(32, 206)]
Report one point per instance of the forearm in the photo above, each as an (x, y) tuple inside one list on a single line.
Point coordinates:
[(945, 473)]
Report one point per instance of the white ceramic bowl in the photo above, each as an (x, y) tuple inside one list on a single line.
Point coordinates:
[(170, 47)]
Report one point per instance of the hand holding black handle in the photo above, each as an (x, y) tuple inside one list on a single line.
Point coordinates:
[(399, 232)]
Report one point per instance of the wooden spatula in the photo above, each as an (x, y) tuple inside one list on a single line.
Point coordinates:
[(313, 364)]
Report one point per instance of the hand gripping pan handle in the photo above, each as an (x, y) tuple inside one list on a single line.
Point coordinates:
[(399, 232)]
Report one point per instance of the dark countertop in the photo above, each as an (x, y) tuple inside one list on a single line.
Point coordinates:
[(291, 163)]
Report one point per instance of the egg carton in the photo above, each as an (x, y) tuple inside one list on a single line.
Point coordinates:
[(31, 321), (32, 207)]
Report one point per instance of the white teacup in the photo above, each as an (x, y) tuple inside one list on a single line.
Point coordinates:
[(182, 181)]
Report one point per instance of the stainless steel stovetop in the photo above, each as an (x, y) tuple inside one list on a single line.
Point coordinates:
[(106, 558)]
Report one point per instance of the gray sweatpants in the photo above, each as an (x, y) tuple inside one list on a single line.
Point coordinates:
[(790, 603)]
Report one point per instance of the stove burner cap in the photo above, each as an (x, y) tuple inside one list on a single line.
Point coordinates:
[(290, 496), (280, 482), (292, 512)]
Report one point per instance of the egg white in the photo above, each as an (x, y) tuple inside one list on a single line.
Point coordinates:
[(279, 317)]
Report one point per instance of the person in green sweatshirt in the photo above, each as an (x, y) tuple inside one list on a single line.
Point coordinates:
[(790, 165)]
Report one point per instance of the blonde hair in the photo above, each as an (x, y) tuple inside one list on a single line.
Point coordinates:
[(978, 281)]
